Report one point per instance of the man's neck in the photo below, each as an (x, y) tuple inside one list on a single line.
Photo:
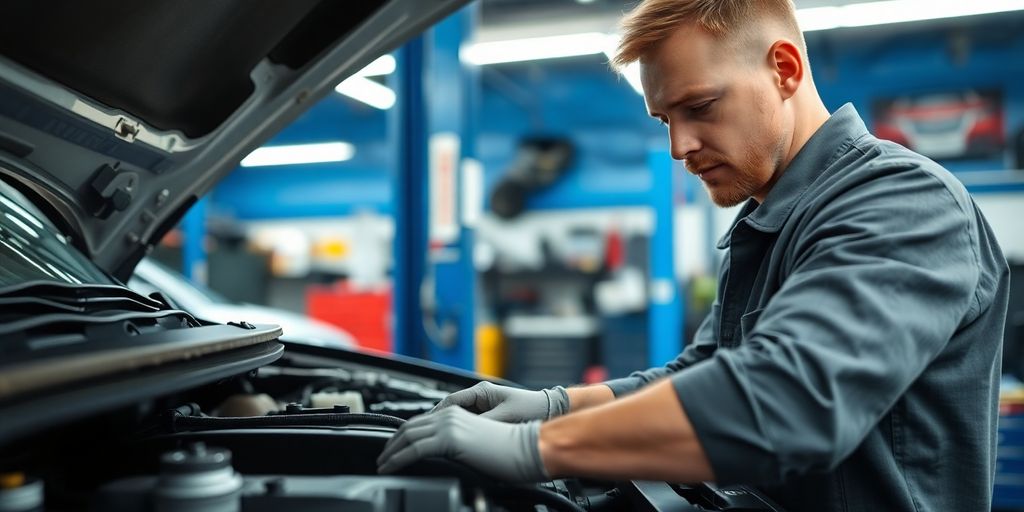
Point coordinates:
[(811, 114)]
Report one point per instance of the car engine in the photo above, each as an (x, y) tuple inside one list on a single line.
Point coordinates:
[(302, 433)]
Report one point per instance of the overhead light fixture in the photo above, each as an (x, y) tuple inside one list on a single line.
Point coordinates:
[(811, 19), (359, 88), (300, 154), (535, 48), (384, 65), (632, 70), (860, 15), (897, 11), (367, 91), (632, 75)]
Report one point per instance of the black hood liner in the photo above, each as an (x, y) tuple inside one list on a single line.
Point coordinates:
[(175, 64)]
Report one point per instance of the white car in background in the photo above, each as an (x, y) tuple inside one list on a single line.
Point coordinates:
[(151, 276)]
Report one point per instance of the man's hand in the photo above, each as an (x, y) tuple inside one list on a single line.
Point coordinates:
[(507, 404), (505, 451)]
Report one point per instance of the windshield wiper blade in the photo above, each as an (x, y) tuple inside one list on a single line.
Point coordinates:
[(35, 305), (18, 307), (79, 319), (79, 293), (15, 307)]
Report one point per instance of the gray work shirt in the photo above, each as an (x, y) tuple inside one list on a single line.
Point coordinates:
[(851, 361)]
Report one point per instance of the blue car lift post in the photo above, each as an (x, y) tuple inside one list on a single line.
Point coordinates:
[(414, 120), (665, 313)]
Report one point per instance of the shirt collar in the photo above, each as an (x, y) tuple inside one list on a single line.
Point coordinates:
[(828, 143)]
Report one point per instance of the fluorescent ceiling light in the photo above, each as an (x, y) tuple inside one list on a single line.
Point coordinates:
[(384, 65), (300, 154), (367, 91), (898, 11), (632, 76), (372, 93), (632, 70), (535, 48), (811, 19), (861, 15)]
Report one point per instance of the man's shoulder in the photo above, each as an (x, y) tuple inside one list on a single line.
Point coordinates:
[(879, 167), (883, 189), (892, 155)]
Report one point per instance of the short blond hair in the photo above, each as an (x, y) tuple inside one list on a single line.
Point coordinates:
[(652, 21)]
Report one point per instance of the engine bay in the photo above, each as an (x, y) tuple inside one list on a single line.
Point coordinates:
[(303, 432)]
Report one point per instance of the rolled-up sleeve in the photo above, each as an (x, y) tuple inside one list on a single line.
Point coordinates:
[(880, 280)]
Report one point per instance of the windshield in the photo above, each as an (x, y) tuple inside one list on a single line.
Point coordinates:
[(153, 275), (31, 248)]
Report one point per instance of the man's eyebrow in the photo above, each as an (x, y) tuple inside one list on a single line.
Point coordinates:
[(695, 93)]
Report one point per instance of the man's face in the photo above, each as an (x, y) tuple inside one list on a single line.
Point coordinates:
[(725, 117)]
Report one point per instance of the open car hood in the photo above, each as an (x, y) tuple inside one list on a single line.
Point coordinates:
[(117, 116)]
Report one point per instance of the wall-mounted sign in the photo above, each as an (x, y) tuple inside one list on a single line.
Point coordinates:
[(444, 160)]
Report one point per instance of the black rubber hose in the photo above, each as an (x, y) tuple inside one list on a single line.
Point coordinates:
[(550, 499), (183, 423), (607, 501)]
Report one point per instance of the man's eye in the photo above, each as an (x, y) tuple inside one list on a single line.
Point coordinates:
[(702, 108)]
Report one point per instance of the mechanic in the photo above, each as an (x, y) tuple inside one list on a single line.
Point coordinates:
[(851, 360)]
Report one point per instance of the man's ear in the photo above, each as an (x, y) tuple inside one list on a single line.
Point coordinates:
[(787, 65)]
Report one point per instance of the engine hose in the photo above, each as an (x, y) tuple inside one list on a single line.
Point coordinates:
[(607, 501), (182, 423), (550, 499)]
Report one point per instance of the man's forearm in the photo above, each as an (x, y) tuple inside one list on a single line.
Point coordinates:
[(645, 436), (585, 397)]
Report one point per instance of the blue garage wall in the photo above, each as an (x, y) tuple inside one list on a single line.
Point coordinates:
[(317, 190), (861, 67), (320, 190), (582, 99)]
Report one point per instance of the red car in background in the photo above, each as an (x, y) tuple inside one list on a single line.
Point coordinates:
[(965, 124)]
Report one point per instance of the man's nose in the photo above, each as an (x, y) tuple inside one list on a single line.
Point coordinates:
[(682, 142)]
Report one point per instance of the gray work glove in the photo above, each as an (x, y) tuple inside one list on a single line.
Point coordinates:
[(507, 404), (504, 451)]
